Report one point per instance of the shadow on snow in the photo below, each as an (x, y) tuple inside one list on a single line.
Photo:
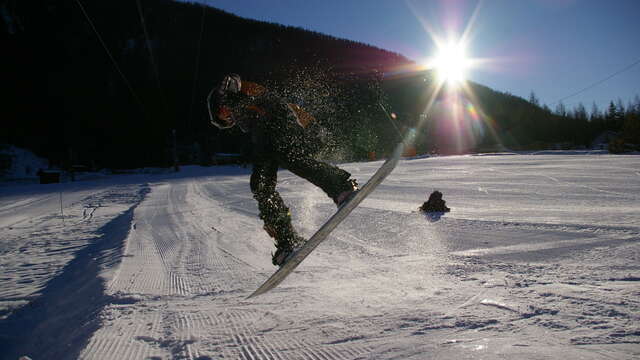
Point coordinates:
[(60, 322)]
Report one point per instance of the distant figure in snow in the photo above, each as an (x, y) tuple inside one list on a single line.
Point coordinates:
[(435, 204), (280, 137)]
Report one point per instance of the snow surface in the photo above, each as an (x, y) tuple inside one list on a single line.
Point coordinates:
[(538, 259)]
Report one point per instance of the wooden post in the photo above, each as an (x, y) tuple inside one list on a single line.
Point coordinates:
[(176, 168)]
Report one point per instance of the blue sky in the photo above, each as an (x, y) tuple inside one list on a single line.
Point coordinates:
[(555, 48)]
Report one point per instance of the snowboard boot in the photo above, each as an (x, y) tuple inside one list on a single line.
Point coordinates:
[(346, 195), (285, 248), (285, 236)]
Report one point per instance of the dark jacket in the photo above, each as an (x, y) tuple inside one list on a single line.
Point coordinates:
[(275, 127)]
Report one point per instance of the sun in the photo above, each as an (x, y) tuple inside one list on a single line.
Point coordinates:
[(451, 63)]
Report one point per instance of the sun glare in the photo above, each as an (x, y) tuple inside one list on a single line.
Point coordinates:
[(451, 101), (451, 63)]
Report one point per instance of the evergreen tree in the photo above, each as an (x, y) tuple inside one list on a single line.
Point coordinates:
[(635, 105), (533, 99), (595, 112), (580, 112), (579, 126), (561, 110), (619, 118), (631, 129), (631, 126), (613, 117)]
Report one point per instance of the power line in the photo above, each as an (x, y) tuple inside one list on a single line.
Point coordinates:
[(113, 60), (146, 36), (599, 81), (154, 63), (197, 67)]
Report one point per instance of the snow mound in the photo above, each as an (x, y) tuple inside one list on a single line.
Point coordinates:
[(17, 163)]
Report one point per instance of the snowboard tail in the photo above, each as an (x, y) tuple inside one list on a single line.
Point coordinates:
[(297, 257)]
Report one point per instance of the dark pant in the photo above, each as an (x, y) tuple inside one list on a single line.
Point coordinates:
[(273, 211)]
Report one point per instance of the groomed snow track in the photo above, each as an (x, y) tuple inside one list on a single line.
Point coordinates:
[(525, 266)]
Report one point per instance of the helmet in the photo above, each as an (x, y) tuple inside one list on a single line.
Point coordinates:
[(221, 99)]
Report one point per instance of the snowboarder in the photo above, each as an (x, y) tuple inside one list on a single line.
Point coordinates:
[(435, 204), (279, 138)]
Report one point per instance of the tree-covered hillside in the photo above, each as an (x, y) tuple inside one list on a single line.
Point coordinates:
[(109, 83)]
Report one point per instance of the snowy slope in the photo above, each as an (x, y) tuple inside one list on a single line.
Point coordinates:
[(539, 259)]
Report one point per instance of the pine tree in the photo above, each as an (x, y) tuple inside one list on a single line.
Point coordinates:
[(580, 125), (534, 99), (610, 116), (631, 129), (561, 110), (580, 112), (619, 116), (595, 112), (631, 126)]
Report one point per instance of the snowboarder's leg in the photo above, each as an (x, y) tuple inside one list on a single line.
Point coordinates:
[(331, 179), (273, 211)]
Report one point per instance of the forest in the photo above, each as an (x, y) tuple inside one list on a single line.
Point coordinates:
[(122, 84)]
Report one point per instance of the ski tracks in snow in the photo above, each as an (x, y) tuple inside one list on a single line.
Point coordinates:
[(171, 252), (59, 259), (518, 274), (182, 284)]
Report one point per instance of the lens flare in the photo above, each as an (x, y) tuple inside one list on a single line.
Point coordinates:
[(451, 63), (451, 112), (472, 111)]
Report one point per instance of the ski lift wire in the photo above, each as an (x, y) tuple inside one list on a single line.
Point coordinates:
[(113, 60), (153, 59), (598, 82), (197, 66)]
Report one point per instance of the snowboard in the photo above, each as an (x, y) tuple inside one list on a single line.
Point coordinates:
[(299, 255)]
